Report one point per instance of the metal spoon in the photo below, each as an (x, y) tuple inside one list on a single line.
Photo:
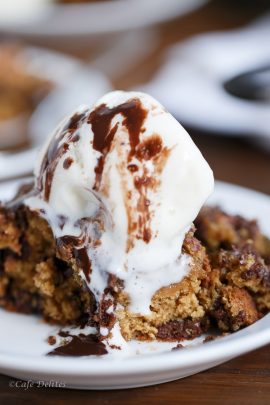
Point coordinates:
[(253, 85)]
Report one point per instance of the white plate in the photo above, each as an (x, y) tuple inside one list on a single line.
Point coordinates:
[(43, 19), (23, 338), (75, 84)]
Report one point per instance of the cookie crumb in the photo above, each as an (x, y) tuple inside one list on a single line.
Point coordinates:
[(51, 340), (177, 347)]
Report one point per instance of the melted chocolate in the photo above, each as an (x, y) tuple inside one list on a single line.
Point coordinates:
[(99, 170), (55, 151), (100, 119), (149, 148), (83, 261), (67, 163), (81, 345), (143, 206), (79, 252), (63, 334), (133, 168), (68, 240)]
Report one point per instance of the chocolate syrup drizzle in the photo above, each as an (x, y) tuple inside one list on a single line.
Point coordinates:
[(56, 150), (67, 163), (134, 116), (79, 345), (150, 149), (100, 119), (83, 261), (78, 248)]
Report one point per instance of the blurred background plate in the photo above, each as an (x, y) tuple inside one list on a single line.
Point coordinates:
[(205, 81), (43, 18), (73, 84)]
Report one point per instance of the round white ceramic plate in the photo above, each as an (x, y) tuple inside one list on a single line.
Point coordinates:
[(44, 19), (23, 338), (74, 84)]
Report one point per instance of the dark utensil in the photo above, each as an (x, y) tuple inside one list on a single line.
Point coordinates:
[(253, 85)]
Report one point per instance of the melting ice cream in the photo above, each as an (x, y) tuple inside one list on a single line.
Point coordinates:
[(123, 182)]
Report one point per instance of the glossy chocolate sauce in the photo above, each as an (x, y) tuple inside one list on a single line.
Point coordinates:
[(67, 163), (100, 119), (78, 251), (55, 151), (134, 116), (80, 345), (83, 261)]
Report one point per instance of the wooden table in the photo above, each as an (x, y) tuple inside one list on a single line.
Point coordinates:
[(242, 381)]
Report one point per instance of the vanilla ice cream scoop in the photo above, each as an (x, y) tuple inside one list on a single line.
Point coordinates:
[(126, 180)]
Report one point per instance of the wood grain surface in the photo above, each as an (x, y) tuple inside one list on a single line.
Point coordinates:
[(242, 381)]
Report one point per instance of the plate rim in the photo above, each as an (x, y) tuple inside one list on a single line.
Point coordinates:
[(174, 8), (97, 367)]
